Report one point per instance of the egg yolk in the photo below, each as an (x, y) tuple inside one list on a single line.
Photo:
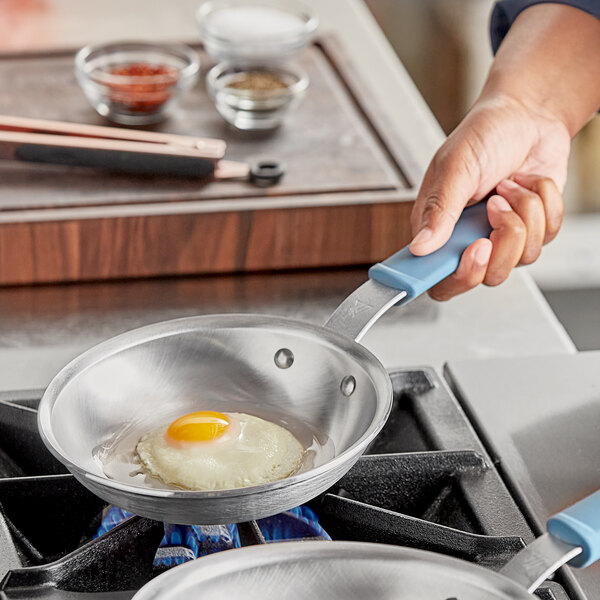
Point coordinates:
[(201, 426)]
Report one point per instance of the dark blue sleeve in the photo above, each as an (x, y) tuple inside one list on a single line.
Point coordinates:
[(506, 11)]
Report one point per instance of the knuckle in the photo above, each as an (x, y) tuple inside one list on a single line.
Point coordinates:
[(546, 185), (442, 162), (435, 207), (433, 204), (440, 157), (516, 229), (528, 203)]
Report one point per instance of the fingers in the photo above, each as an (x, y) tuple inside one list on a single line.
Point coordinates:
[(470, 273), (488, 261), (530, 208), (551, 198), (508, 239), (525, 214)]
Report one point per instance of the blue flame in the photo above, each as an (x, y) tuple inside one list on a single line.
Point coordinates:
[(187, 542)]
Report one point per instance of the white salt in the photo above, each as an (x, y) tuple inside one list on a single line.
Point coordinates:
[(253, 23)]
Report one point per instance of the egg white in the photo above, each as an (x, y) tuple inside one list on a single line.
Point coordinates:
[(252, 451)]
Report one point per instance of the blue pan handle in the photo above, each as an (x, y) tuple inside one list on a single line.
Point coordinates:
[(579, 525), (417, 274)]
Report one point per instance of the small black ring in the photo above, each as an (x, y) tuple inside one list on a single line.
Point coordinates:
[(266, 172)]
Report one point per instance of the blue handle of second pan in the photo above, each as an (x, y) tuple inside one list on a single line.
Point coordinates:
[(579, 525)]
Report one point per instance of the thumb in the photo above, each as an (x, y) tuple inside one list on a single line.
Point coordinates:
[(447, 188)]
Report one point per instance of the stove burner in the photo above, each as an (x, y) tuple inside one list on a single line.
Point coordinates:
[(427, 482), (181, 543)]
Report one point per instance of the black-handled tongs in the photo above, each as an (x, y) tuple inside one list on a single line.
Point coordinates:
[(125, 151)]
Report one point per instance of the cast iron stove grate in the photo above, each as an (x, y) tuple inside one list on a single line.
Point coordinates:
[(426, 482)]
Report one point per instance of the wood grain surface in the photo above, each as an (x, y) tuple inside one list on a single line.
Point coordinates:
[(345, 198), (234, 241)]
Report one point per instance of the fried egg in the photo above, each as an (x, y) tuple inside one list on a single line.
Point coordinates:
[(209, 450)]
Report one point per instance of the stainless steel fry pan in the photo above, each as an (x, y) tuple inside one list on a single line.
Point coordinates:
[(355, 570), (318, 382)]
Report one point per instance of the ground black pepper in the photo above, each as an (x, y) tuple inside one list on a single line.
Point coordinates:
[(259, 81)]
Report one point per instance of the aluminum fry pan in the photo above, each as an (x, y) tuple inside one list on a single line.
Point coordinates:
[(357, 570), (318, 382)]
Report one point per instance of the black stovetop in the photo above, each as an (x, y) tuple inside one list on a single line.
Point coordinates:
[(427, 482)]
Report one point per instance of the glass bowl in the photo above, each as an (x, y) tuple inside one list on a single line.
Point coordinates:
[(136, 83), (256, 96), (255, 29)]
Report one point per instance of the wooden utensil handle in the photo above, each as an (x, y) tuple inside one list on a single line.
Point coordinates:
[(210, 148)]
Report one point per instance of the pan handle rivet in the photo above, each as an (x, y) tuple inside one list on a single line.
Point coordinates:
[(284, 358), (348, 385)]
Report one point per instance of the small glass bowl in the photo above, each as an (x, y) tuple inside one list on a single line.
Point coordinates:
[(136, 83), (255, 29), (255, 108)]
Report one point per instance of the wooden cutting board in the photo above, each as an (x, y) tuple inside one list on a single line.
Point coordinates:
[(345, 198)]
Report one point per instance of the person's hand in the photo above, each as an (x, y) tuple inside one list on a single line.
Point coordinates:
[(504, 145), (541, 89)]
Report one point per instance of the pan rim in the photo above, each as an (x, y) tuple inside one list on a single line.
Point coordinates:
[(162, 329), (221, 564)]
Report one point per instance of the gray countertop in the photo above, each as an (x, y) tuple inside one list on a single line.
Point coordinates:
[(42, 328)]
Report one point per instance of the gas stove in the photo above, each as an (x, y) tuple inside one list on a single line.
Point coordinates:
[(426, 482)]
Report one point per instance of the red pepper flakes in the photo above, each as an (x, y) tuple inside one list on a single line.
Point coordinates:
[(141, 96)]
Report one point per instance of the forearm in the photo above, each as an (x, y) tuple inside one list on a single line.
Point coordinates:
[(550, 61)]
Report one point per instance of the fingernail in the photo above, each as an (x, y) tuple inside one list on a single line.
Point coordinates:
[(508, 184), (500, 203), (423, 236), (482, 254)]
